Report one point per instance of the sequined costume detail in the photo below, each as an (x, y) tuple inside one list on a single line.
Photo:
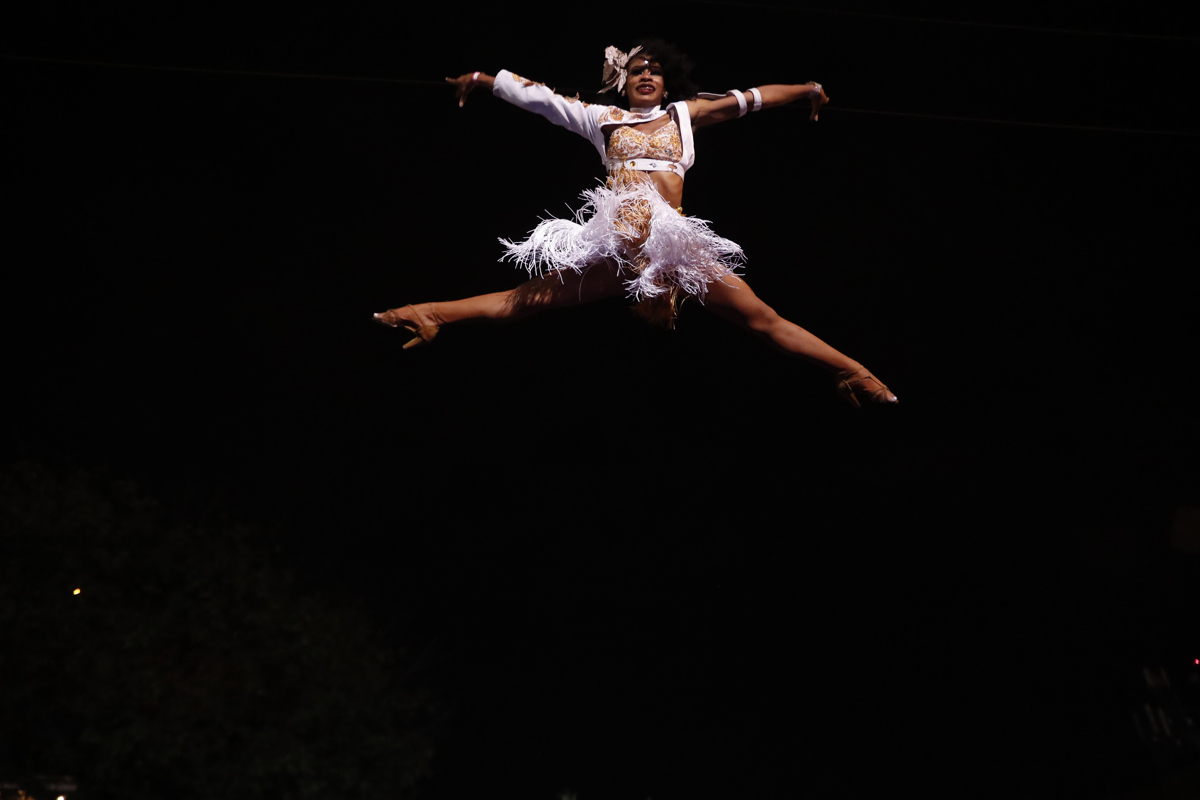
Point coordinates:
[(664, 143), (612, 114), (525, 81)]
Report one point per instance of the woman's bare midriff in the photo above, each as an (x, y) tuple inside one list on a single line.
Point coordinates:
[(669, 185)]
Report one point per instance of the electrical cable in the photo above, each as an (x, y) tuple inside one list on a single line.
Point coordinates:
[(442, 83), (211, 71), (990, 121), (937, 21)]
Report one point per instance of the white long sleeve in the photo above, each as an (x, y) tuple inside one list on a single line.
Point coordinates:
[(570, 113)]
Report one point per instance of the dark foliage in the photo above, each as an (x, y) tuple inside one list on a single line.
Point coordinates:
[(189, 665)]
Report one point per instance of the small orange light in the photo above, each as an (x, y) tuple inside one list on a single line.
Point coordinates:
[(77, 591)]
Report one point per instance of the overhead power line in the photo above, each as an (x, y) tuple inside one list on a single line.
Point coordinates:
[(938, 21), (210, 71), (442, 83), (992, 121)]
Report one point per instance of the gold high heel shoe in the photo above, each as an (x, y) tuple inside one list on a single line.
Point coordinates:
[(855, 386), (397, 317)]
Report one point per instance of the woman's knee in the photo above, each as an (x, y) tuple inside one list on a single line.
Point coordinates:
[(563, 288), (528, 298), (763, 319), (740, 305)]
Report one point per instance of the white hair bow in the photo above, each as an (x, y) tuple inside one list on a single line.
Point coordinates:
[(614, 67)]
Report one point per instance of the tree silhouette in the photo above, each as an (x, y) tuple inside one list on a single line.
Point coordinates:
[(188, 664)]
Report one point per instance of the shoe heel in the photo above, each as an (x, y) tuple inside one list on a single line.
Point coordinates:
[(847, 394), (424, 335)]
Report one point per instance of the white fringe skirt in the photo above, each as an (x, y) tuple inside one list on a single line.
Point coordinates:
[(627, 223)]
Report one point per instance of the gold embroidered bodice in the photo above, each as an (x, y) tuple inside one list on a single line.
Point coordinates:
[(663, 143)]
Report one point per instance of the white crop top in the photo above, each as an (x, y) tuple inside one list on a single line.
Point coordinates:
[(589, 121)]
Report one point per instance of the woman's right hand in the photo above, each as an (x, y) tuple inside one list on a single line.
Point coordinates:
[(464, 85)]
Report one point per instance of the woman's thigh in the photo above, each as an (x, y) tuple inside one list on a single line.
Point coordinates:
[(567, 288), (732, 298)]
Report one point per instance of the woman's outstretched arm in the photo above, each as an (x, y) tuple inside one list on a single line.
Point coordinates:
[(566, 112), (710, 112)]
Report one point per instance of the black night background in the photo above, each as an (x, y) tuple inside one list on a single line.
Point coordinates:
[(576, 554)]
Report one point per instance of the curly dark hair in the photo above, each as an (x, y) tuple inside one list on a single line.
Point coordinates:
[(677, 70)]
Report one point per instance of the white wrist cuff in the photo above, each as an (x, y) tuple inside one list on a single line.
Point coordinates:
[(741, 98), (757, 99)]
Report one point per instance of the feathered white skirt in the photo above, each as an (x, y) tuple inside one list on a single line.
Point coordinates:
[(627, 223)]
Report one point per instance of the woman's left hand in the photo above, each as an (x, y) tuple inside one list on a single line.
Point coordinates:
[(818, 98)]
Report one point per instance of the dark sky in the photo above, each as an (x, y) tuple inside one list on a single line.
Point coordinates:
[(667, 564)]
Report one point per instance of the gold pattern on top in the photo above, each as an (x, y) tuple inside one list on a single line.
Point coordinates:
[(612, 114), (525, 81), (664, 143)]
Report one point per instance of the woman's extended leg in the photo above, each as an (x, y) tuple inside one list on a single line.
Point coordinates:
[(553, 290), (735, 301)]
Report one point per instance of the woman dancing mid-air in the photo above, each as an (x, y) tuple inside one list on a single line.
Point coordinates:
[(631, 235)]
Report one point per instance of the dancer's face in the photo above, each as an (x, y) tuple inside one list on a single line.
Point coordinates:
[(644, 85)]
